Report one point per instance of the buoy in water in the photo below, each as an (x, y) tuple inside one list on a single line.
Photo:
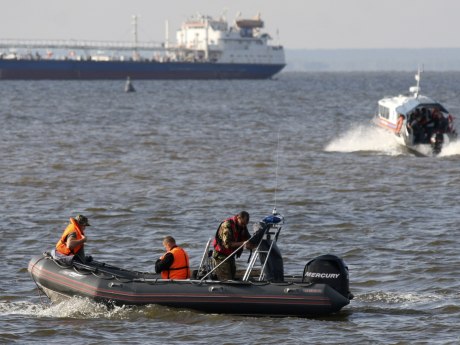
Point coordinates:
[(129, 86)]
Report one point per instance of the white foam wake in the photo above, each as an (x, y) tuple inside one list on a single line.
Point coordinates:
[(371, 138), (365, 138), (75, 307), (451, 149)]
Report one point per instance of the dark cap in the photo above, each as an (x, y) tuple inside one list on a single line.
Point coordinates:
[(82, 220)]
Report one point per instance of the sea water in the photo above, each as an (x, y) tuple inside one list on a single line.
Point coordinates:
[(177, 157)]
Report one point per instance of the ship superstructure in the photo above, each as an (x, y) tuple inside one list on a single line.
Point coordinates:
[(206, 39)]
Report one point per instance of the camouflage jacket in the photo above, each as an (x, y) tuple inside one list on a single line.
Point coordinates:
[(226, 236)]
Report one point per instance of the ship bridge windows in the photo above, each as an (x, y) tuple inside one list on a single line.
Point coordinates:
[(246, 32)]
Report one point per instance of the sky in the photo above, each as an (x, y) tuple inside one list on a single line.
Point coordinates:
[(296, 24)]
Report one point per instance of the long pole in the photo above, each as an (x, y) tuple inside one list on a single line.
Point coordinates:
[(167, 34), (135, 53), (228, 257)]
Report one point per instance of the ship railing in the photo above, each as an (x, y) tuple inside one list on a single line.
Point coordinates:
[(75, 44)]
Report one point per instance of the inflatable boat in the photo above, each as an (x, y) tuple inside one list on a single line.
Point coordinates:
[(261, 289)]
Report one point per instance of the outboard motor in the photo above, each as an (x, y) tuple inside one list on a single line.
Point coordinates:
[(328, 269), (265, 236), (436, 141)]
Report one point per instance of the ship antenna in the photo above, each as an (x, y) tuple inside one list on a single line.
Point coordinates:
[(223, 16), (166, 34), (417, 89), (276, 171), (135, 40)]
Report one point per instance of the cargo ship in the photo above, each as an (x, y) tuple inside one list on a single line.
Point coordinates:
[(205, 48)]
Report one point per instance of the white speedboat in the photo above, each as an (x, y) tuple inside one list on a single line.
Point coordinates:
[(419, 123)]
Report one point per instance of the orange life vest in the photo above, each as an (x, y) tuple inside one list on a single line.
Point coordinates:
[(61, 245), (180, 268)]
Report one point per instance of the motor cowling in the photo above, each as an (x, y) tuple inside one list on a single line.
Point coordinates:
[(437, 141), (328, 269)]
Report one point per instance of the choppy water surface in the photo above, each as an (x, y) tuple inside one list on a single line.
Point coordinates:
[(176, 157)]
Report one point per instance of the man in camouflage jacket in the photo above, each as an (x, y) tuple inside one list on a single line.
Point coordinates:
[(232, 235)]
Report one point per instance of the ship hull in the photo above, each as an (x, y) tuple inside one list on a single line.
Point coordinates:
[(115, 286), (72, 69)]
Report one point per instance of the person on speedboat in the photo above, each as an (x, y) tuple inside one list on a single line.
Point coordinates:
[(417, 127), (440, 123), (399, 124), (71, 243), (231, 236), (174, 264)]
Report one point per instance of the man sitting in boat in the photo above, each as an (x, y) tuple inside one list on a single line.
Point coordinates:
[(174, 264), (231, 236), (71, 244)]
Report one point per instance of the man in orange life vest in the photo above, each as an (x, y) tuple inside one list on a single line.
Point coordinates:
[(174, 264), (231, 235), (71, 243)]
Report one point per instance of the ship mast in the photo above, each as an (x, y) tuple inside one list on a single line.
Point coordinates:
[(206, 47), (135, 38), (166, 34), (416, 89)]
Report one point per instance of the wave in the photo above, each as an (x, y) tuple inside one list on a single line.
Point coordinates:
[(401, 298), (371, 138), (76, 307), (365, 138), (452, 149), (83, 308)]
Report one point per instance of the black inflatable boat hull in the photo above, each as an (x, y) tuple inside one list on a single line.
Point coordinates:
[(112, 285)]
